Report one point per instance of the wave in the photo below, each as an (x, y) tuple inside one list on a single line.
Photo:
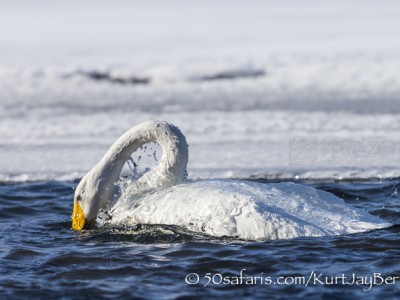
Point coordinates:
[(286, 176), (39, 177), (305, 175), (339, 174)]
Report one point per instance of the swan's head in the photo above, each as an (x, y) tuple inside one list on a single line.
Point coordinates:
[(97, 188), (92, 193)]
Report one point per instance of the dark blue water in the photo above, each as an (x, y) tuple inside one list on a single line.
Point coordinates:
[(41, 257)]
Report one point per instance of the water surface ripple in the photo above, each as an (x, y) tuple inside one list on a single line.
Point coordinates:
[(42, 257)]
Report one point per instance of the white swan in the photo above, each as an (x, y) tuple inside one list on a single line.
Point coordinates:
[(247, 210)]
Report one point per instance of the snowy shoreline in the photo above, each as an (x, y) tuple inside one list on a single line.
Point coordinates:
[(251, 87)]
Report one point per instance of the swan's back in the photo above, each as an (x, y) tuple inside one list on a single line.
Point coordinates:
[(244, 209)]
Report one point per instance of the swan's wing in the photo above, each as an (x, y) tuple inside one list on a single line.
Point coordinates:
[(322, 209), (245, 209)]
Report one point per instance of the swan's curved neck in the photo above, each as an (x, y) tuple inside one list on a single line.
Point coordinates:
[(170, 170)]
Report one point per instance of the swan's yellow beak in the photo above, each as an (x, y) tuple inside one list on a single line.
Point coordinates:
[(79, 220)]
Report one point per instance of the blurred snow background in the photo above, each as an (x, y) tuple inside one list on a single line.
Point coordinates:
[(276, 89)]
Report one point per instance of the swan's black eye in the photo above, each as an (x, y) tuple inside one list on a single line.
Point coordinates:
[(78, 198)]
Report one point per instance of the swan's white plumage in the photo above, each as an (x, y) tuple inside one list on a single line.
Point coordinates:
[(244, 209), (248, 210)]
